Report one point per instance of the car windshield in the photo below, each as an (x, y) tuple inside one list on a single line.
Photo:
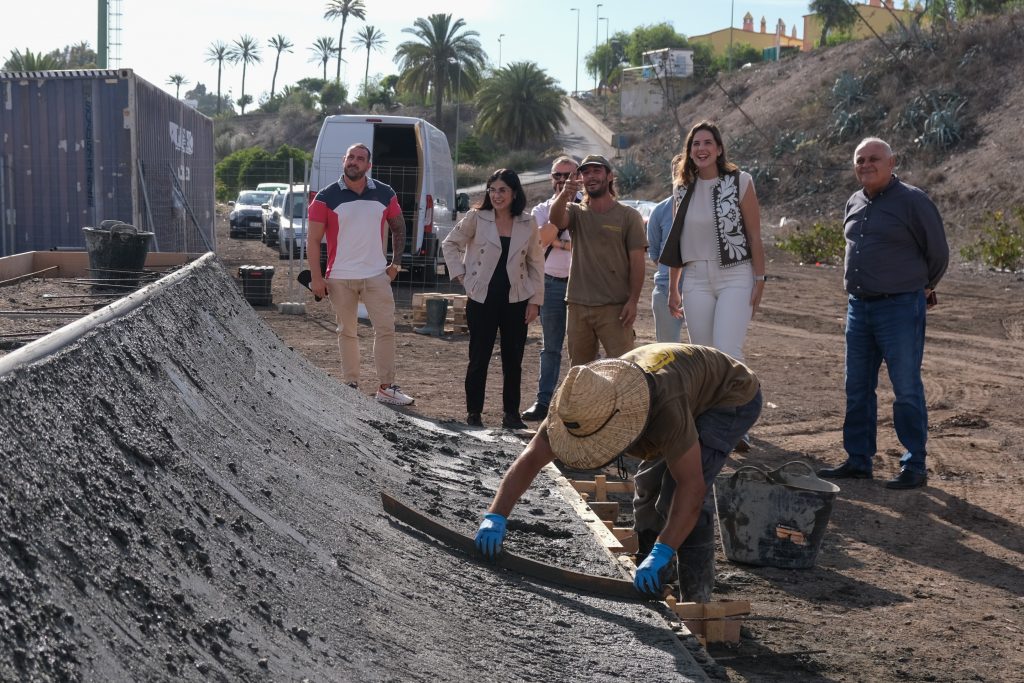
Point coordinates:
[(253, 198), (299, 206)]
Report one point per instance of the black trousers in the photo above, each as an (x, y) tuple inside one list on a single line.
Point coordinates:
[(485, 321)]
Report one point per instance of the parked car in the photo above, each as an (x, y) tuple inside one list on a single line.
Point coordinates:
[(272, 187), (290, 235), (246, 215), (272, 217), (644, 206)]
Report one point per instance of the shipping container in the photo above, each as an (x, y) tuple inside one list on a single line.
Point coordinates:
[(83, 146)]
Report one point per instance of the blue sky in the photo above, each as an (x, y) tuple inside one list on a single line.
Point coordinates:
[(162, 38)]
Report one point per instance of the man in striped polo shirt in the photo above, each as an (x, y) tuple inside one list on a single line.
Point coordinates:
[(353, 213)]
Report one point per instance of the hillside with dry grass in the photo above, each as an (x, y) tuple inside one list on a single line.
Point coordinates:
[(949, 103)]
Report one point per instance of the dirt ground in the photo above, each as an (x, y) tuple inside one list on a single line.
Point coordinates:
[(925, 585)]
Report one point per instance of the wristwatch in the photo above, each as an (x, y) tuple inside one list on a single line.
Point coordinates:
[(760, 278)]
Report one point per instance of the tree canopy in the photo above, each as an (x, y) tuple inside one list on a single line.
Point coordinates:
[(432, 63), (520, 103)]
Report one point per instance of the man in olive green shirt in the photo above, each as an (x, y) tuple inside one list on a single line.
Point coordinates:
[(607, 272), (679, 408)]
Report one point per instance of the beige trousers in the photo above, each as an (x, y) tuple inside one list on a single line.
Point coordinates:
[(376, 295)]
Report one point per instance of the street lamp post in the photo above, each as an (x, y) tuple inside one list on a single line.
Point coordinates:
[(499, 49), (732, 23), (576, 89), (597, 37), (604, 62)]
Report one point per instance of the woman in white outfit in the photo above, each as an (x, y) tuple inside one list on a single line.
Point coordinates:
[(715, 246)]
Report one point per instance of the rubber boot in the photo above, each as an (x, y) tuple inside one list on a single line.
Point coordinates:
[(437, 312), (696, 565)]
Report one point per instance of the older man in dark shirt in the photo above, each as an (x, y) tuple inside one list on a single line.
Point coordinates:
[(896, 253)]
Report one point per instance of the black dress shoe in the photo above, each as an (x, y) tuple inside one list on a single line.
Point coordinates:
[(536, 412), (844, 471), (473, 420), (907, 479), (512, 421)]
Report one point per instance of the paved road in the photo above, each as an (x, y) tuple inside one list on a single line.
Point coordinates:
[(576, 138)]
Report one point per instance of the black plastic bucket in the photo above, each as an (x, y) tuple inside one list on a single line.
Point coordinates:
[(776, 518), (256, 281), (117, 254)]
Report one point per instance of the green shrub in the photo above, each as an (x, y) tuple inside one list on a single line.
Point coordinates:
[(823, 243), (848, 90), (471, 152), (845, 125), (629, 175), (1001, 244)]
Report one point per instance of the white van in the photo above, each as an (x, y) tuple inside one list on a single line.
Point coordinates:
[(410, 155)]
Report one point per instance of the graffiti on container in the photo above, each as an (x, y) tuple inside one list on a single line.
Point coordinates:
[(180, 137)]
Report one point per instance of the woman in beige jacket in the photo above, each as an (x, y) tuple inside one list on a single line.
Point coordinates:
[(494, 253)]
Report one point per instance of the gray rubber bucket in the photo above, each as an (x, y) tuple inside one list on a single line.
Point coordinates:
[(774, 518), (117, 254)]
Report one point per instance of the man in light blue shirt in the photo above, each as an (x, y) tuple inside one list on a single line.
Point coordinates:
[(667, 328)]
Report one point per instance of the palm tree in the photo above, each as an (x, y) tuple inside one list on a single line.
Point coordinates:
[(29, 61), (370, 38), (432, 63), (218, 52), (323, 49), (281, 44), (520, 103), (177, 80), (344, 9), (247, 51)]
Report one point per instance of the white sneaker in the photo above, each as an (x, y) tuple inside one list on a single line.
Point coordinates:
[(392, 395)]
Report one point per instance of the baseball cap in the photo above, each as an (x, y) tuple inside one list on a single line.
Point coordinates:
[(595, 159)]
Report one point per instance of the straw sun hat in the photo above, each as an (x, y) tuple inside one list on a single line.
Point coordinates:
[(599, 411)]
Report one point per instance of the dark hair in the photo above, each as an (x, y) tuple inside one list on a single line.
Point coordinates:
[(510, 178), (723, 163), (359, 145)]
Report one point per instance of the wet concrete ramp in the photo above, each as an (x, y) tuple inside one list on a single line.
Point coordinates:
[(183, 497)]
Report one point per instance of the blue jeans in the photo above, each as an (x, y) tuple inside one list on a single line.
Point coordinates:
[(552, 325), (667, 329), (889, 329)]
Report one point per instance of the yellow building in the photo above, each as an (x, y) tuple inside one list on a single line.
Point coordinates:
[(721, 40), (880, 15)]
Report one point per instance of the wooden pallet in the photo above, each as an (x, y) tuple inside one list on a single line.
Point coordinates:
[(718, 621), (455, 320)]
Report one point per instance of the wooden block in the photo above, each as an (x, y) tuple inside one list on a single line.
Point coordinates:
[(601, 487), (627, 537), (690, 610), (714, 630), (734, 608), (590, 487), (696, 627), (605, 511)]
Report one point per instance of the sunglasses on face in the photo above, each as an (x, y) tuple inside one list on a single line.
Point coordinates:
[(560, 176)]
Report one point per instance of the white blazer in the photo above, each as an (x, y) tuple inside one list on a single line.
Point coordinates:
[(473, 248)]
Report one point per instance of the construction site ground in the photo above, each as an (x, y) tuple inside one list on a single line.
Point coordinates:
[(185, 496)]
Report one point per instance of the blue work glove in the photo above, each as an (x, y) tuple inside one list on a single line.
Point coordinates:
[(648, 574), (490, 535)]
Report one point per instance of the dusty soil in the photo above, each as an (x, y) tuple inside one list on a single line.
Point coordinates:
[(924, 585)]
